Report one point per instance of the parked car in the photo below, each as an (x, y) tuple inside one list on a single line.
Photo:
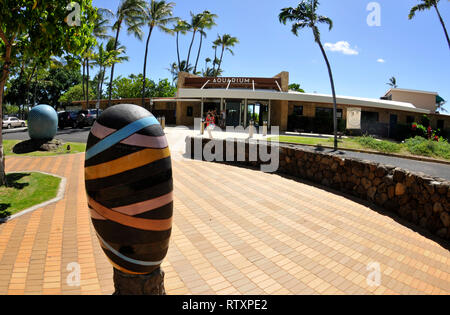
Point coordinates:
[(87, 117), (67, 119), (13, 122)]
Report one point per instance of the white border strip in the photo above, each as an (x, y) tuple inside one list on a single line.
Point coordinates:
[(59, 196)]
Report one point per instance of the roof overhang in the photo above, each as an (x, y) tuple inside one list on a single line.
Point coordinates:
[(297, 97), (410, 91)]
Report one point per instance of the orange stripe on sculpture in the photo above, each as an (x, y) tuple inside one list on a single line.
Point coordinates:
[(126, 163), (145, 206), (137, 223)]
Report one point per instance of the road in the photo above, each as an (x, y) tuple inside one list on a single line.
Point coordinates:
[(429, 168), (67, 135)]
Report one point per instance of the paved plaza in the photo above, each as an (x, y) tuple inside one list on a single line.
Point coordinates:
[(235, 231)]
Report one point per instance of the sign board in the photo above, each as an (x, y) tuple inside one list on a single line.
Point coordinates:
[(232, 82), (353, 118)]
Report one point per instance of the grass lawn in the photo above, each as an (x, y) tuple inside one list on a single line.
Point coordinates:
[(417, 146), (26, 190), (8, 146)]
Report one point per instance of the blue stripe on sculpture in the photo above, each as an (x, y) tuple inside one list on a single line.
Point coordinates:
[(121, 134), (131, 260)]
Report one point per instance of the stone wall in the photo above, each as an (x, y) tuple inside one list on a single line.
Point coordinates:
[(416, 197)]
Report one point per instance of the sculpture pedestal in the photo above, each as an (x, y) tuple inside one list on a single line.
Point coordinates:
[(149, 284)]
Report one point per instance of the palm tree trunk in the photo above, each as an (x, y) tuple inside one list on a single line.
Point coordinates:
[(112, 68), (99, 95), (220, 61), (178, 51), (199, 50), (87, 83), (334, 95), (4, 77), (84, 79), (190, 48), (443, 24), (214, 62), (145, 66)]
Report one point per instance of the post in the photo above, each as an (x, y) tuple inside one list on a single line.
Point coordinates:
[(264, 128), (270, 108), (245, 112), (201, 109), (251, 130)]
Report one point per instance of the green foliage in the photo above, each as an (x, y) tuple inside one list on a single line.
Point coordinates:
[(26, 190), (9, 109), (296, 87), (39, 28), (425, 147), (75, 93), (378, 145), (131, 87), (49, 84)]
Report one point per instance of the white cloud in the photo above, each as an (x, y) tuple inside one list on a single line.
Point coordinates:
[(381, 60), (342, 47)]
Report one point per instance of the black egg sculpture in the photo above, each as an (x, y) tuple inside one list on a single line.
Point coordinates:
[(128, 177)]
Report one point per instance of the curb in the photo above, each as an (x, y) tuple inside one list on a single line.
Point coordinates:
[(15, 130), (59, 196)]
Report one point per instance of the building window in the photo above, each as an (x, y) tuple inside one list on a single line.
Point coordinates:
[(369, 116), (410, 119), (298, 110), (440, 124), (325, 111), (190, 111)]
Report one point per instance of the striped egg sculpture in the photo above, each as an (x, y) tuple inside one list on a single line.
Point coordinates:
[(128, 177)]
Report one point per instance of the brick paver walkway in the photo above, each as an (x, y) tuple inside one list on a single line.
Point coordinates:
[(236, 231)]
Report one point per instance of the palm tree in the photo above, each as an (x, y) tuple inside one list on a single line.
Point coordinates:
[(425, 5), (107, 58), (130, 12), (207, 21), (226, 41), (182, 27), (158, 14), (174, 69), (392, 83), (305, 15), (216, 44), (440, 106), (100, 32), (196, 24)]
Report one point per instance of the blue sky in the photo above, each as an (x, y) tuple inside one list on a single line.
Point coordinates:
[(415, 52)]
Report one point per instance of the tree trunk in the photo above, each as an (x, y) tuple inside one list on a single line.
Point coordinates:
[(199, 50), (35, 89), (27, 101), (87, 83), (84, 79), (214, 61), (190, 48), (3, 78), (112, 67), (145, 66), (443, 24), (178, 51), (98, 85), (334, 95), (220, 61)]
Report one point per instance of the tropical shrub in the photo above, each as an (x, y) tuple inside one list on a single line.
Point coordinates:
[(428, 147)]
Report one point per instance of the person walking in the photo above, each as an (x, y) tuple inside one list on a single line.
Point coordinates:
[(210, 124)]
